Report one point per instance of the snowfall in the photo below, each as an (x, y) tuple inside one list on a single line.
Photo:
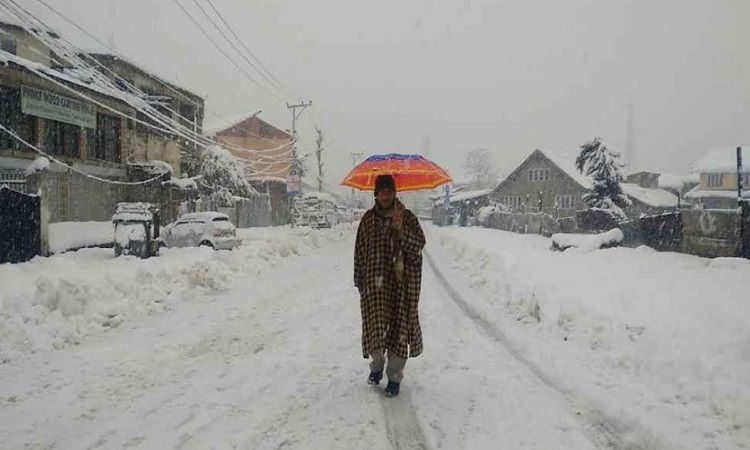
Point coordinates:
[(259, 348)]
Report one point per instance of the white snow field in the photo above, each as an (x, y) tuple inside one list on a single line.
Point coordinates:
[(259, 348)]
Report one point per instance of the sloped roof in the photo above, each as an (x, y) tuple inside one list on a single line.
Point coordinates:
[(723, 160), (567, 163), (466, 195), (224, 123), (658, 198), (697, 192)]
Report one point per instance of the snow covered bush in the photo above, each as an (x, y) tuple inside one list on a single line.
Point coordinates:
[(222, 177)]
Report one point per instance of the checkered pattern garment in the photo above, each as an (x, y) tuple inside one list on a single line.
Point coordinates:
[(390, 318)]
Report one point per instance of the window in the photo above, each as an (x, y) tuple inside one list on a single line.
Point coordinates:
[(564, 201), (62, 139), (714, 179), (11, 116), (104, 142), (538, 174), (8, 45)]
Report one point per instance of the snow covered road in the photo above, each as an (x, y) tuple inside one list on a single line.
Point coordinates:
[(275, 363), (259, 348)]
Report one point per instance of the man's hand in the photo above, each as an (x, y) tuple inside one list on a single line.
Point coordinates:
[(397, 220)]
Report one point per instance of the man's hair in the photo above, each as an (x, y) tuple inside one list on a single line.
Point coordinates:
[(384, 181)]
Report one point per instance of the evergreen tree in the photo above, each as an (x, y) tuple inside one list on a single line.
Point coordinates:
[(603, 165)]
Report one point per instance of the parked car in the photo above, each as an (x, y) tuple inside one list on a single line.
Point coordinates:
[(316, 210), (136, 229), (210, 229)]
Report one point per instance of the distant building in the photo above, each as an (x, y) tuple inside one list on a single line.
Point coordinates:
[(548, 181), (265, 151), (717, 187), (644, 179), (545, 181)]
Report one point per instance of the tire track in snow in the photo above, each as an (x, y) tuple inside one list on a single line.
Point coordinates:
[(603, 430), (401, 423)]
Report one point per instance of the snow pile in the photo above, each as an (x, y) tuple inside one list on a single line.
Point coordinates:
[(585, 243), (660, 340), (41, 164), (65, 236), (486, 212), (57, 301)]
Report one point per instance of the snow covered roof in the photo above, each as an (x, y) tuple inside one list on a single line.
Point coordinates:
[(567, 163), (658, 198), (676, 182), (723, 160), (463, 196), (697, 192), (148, 72), (224, 123), (203, 216), (321, 196), (34, 67)]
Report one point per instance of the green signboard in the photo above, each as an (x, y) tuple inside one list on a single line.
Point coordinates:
[(52, 106)]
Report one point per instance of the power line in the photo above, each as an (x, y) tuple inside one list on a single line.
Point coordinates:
[(236, 49), (226, 55), (103, 44), (252, 55)]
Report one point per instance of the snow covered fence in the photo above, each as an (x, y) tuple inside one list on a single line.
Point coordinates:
[(715, 232), (662, 232), (524, 223)]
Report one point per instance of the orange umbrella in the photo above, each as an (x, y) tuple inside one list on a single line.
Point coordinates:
[(411, 172)]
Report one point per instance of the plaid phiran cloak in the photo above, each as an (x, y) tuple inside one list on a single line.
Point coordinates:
[(389, 306)]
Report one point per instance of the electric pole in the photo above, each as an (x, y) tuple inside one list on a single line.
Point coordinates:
[(319, 155), (301, 106), (354, 156)]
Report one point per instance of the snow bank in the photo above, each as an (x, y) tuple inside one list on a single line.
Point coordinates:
[(58, 301), (659, 338), (587, 242), (65, 236)]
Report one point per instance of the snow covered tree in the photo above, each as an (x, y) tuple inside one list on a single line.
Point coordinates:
[(222, 177), (603, 165), (479, 167)]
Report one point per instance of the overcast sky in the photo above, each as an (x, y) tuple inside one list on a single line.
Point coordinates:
[(509, 76)]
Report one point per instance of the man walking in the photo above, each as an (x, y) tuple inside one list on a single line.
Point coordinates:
[(388, 274)]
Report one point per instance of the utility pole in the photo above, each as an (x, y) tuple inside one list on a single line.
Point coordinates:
[(354, 156), (319, 155), (296, 163)]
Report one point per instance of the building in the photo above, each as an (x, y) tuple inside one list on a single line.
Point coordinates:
[(177, 103), (649, 180), (545, 181), (265, 151), (548, 181), (717, 184), (43, 103)]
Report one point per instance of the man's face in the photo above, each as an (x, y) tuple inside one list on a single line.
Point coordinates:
[(385, 197)]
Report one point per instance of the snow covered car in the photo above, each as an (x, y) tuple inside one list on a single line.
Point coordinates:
[(136, 229), (212, 229), (316, 210)]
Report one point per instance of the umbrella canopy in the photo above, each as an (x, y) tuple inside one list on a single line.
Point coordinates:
[(411, 172)]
